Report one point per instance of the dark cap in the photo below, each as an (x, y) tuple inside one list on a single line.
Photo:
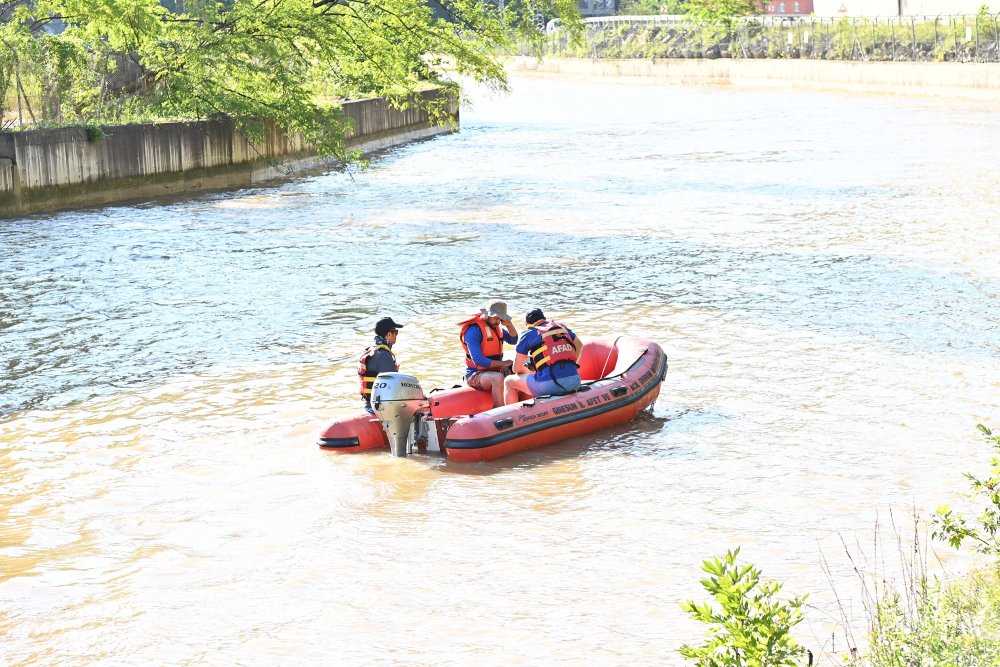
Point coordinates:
[(385, 325), (534, 316)]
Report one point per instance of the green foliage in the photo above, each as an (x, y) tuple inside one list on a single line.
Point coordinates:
[(753, 626), (847, 38), (922, 620), (954, 528), (257, 62), (6, 81), (721, 11), (937, 624), (987, 26), (915, 619), (647, 7)]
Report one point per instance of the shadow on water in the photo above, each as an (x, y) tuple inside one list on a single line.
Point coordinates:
[(661, 433), (649, 435), (645, 436)]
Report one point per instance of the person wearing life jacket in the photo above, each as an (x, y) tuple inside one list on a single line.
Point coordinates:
[(482, 336), (545, 360), (378, 358)]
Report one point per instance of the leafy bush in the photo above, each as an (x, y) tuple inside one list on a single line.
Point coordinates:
[(953, 527), (94, 133), (753, 626), (939, 624), (925, 620), (928, 621)]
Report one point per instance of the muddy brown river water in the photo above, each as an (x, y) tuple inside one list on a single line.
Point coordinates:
[(822, 270)]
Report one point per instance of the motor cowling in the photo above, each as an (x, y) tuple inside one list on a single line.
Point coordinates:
[(396, 398)]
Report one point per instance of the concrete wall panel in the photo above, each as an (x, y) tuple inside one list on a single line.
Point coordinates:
[(6, 177), (48, 169)]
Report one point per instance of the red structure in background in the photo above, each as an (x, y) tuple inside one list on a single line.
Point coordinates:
[(790, 7)]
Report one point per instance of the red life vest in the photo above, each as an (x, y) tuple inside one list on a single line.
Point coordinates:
[(367, 379), (556, 345), (492, 345)]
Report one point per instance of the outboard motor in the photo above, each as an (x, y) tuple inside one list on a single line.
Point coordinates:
[(396, 398)]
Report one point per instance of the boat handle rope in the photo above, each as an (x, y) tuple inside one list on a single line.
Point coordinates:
[(614, 345), (611, 377), (618, 375)]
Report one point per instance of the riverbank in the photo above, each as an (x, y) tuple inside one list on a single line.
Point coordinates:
[(46, 170), (979, 81)]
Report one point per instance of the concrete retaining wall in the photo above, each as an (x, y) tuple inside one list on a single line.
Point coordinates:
[(967, 80), (52, 169), (6, 175)]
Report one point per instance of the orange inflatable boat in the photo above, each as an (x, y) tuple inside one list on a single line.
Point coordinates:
[(621, 378)]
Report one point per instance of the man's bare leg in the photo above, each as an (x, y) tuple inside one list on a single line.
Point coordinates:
[(493, 383), (515, 386)]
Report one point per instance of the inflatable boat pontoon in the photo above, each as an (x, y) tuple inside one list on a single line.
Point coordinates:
[(621, 378)]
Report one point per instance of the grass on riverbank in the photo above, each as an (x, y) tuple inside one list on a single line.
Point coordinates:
[(916, 39), (914, 618)]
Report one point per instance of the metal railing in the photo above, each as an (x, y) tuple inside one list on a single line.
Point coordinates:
[(895, 38)]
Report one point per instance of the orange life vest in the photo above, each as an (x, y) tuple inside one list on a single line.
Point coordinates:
[(492, 345), (367, 379), (556, 345)]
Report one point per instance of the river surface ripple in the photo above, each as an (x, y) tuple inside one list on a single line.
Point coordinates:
[(820, 268)]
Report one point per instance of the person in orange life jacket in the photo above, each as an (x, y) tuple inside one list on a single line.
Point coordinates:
[(482, 336), (545, 360), (378, 358)]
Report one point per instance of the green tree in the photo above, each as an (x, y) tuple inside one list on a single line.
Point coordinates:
[(646, 7), (286, 62), (752, 627), (721, 11)]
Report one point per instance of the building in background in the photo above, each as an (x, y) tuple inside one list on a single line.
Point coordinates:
[(789, 7)]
